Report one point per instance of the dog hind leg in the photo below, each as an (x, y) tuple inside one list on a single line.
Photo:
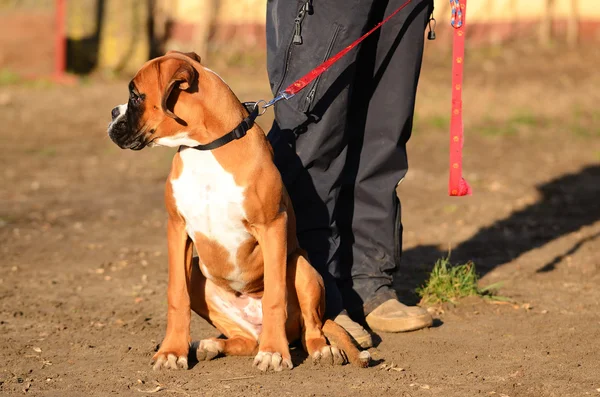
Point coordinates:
[(239, 342), (310, 291), (234, 346)]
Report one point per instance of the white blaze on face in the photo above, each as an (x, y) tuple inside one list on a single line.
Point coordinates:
[(122, 110), (181, 139)]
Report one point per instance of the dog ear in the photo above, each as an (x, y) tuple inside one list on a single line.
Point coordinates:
[(192, 55), (184, 77)]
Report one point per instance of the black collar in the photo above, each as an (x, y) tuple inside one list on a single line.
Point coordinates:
[(237, 133)]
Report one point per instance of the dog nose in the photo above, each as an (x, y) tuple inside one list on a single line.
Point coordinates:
[(115, 113)]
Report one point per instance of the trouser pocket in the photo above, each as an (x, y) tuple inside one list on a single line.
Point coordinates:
[(313, 36), (304, 9), (312, 91)]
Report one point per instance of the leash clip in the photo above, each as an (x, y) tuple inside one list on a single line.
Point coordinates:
[(262, 109), (282, 95)]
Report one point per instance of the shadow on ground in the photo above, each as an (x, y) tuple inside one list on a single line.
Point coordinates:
[(567, 204)]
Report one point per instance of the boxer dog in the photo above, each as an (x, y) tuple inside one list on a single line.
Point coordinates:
[(250, 280)]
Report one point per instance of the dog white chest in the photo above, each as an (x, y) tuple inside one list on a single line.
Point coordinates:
[(210, 201)]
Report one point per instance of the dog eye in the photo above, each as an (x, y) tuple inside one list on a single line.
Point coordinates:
[(135, 98)]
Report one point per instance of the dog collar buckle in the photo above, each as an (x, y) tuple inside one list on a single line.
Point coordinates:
[(241, 129)]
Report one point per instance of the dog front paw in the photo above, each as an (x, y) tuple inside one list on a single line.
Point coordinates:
[(274, 361), (329, 355), (170, 357), (169, 361)]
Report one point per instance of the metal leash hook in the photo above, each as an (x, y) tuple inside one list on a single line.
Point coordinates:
[(305, 80), (282, 95), (263, 108)]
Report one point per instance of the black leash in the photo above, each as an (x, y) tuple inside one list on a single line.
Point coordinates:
[(238, 132)]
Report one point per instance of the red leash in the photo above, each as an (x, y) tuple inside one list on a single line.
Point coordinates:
[(457, 185), (298, 85), (301, 83)]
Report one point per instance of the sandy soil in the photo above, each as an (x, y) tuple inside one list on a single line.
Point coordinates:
[(83, 270)]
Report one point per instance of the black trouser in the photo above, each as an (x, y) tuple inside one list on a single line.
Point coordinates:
[(341, 143)]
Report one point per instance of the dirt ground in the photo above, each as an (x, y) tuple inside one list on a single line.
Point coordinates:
[(83, 271)]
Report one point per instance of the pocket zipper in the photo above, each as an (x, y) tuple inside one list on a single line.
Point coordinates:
[(313, 89), (307, 8)]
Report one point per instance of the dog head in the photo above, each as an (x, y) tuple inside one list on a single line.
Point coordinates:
[(165, 105)]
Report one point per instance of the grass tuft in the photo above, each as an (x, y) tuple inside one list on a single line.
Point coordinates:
[(439, 122), (513, 125), (7, 77), (495, 129), (525, 118), (448, 283)]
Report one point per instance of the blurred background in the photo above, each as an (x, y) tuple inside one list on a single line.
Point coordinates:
[(116, 36), (82, 222)]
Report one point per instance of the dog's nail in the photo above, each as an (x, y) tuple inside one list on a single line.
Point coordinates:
[(265, 362), (276, 362), (159, 363), (326, 357), (171, 361), (257, 360), (316, 357), (338, 359), (182, 362)]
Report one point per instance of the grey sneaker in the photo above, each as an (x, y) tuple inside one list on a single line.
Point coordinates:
[(356, 331), (393, 316)]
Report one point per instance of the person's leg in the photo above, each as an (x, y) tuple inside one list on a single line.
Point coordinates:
[(308, 132), (377, 159)]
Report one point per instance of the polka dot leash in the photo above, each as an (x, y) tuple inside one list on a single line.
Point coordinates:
[(457, 185)]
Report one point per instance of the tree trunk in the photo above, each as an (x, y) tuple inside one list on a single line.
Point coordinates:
[(124, 36), (545, 32), (573, 24)]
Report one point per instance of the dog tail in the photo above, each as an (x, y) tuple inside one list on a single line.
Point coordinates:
[(338, 335)]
